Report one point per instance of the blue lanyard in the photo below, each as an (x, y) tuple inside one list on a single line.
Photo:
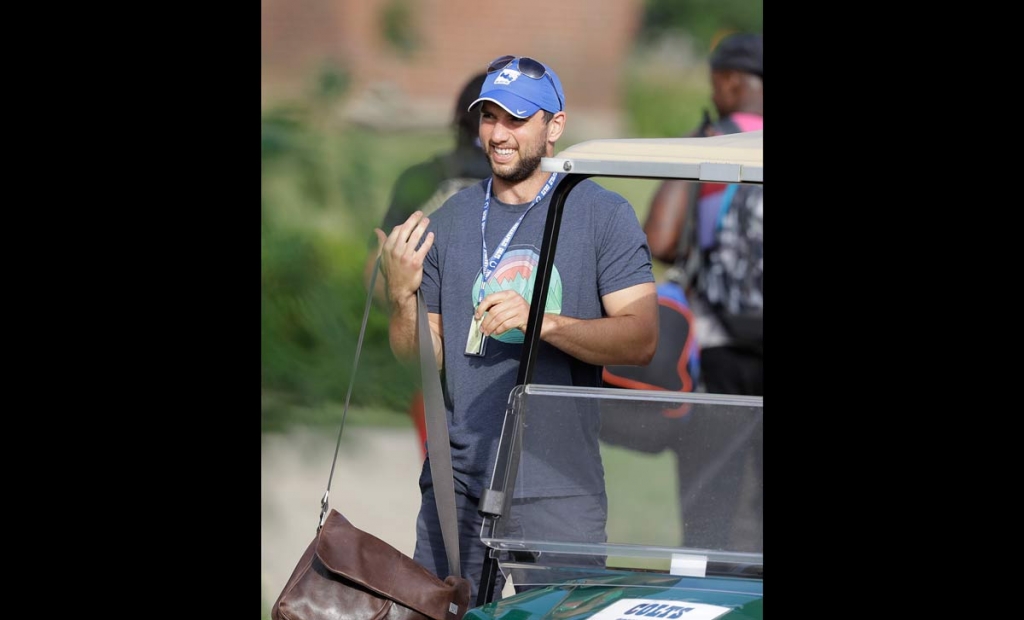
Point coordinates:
[(490, 265)]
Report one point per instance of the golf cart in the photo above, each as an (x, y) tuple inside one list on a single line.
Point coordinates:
[(681, 470)]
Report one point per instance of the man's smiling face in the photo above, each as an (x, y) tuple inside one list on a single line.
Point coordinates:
[(514, 146)]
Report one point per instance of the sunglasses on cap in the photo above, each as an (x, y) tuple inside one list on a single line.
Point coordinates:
[(527, 66)]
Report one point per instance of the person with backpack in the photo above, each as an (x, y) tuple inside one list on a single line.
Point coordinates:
[(725, 288), (712, 235)]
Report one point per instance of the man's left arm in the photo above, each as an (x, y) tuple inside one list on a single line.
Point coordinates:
[(628, 335)]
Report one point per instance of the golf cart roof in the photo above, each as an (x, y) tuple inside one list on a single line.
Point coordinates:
[(732, 158)]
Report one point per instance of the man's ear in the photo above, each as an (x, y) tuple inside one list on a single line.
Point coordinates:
[(556, 126)]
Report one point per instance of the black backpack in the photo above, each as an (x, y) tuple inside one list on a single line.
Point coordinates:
[(729, 275)]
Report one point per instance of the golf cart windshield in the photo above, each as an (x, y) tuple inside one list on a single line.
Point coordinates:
[(648, 438)]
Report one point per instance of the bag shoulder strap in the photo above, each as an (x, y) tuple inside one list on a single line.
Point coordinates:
[(438, 444), (325, 500)]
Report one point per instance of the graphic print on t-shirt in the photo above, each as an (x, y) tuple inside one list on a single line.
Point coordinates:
[(517, 272)]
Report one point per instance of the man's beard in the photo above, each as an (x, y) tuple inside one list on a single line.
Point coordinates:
[(521, 171)]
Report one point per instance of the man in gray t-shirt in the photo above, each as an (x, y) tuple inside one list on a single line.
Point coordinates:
[(601, 309)]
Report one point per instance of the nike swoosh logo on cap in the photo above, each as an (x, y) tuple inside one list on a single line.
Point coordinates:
[(520, 111)]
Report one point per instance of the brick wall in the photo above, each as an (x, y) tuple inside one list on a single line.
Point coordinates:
[(586, 41)]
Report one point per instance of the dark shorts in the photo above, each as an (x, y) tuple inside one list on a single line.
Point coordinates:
[(576, 518)]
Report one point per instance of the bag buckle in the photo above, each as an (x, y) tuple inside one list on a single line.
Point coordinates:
[(323, 510)]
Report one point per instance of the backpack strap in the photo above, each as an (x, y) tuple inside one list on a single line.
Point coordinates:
[(688, 260), (726, 125)]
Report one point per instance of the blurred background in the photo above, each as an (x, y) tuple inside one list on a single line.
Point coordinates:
[(352, 93)]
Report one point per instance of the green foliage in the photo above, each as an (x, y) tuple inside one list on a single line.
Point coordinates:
[(324, 187), (332, 82), (355, 190), (703, 20), (293, 148), (665, 106), (399, 27), (312, 306), (281, 133)]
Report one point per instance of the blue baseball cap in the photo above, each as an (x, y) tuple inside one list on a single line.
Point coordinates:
[(523, 90)]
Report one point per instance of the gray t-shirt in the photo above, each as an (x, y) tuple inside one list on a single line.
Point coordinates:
[(601, 249)]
